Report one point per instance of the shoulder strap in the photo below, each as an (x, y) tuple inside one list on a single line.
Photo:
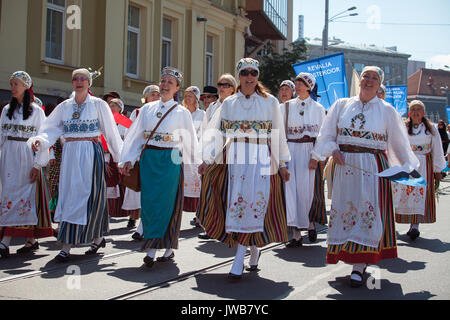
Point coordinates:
[(286, 106), (156, 128)]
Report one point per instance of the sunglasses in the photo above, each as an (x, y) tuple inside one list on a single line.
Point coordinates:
[(225, 85), (207, 96), (79, 79), (246, 73)]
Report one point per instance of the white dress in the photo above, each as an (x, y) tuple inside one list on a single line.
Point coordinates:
[(18, 195), (305, 119), (77, 159), (192, 181), (411, 200), (355, 213), (249, 163)]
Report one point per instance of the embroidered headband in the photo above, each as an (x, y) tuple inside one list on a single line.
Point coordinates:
[(415, 103), (84, 72), (24, 77), (194, 90), (247, 63), (308, 78), (170, 71), (288, 83), (375, 69)]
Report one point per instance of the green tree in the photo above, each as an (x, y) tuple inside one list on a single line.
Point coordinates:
[(275, 67)]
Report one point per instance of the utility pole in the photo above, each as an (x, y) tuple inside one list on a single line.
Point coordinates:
[(325, 30)]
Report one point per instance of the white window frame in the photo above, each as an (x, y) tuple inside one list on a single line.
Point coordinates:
[(168, 41), (137, 31), (209, 62), (54, 7)]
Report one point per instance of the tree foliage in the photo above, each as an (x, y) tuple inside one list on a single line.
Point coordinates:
[(275, 67)]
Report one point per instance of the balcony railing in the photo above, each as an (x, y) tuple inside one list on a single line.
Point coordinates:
[(277, 11)]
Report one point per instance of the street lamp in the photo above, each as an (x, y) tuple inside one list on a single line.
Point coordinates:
[(333, 18)]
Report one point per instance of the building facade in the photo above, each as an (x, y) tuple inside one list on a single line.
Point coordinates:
[(132, 40)]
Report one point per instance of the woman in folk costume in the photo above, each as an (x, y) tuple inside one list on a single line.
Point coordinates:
[(415, 205), (357, 132), (161, 165), (287, 91), (227, 85), (132, 200), (82, 204), (192, 182), (243, 204), (303, 118), (24, 196)]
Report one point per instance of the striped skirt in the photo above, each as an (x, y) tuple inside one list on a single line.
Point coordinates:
[(97, 209), (430, 200), (318, 212), (162, 185), (213, 208), (352, 252), (43, 229), (191, 204)]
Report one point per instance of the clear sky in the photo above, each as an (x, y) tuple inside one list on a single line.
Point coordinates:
[(417, 27)]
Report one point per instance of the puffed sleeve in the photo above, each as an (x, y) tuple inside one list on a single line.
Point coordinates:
[(134, 139), (2, 121), (41, 158), (109, 128), (187, 136), (212, 141), (439, 162), (278, 127), (50, 130), (399, 151), (326, 141)]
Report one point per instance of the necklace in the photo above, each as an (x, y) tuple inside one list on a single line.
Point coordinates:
[(77, 111), (302, 110), (361, 117)]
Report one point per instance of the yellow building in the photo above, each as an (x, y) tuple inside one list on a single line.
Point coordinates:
[(131, 39)]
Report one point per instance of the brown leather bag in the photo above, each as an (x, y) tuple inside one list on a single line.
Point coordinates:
[(133, 181)]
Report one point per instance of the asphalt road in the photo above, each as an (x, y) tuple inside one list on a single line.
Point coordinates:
[(200, 270)]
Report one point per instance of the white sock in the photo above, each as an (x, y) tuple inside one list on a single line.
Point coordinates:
[(254, 256), (239, 260), (312, 226), (168, 253), (66, 248), (152, 253), (97, 241), (140, 229), (6, 241), (297, 234)]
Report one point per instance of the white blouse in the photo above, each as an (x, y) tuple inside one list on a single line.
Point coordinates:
[(423, 142), (95, 119), (305, 118), (176, 131), (375, 125), (254, 118)]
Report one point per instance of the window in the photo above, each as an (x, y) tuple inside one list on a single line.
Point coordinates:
[(387, 70), (166, 59), (133, 35), (209, 60), (54, 43)]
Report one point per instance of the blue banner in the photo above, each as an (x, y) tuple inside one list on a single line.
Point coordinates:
[(448, 114), (330, 77), (396, 96)]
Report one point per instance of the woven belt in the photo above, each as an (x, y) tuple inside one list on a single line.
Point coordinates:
[(356, 149), (251, 140), (17, 139), (150, 147), (92, 139), (305, 139)]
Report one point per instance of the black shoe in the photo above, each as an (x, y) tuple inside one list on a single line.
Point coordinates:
[(131, 223), (26, 249), (62, 257), (356, 283), (165, 259), (312, 235), (149, 262), (413, 234), (195, 223), (4, 251), (94, 247), (137, 236), (295, 243), (252, 268), (204, 236)]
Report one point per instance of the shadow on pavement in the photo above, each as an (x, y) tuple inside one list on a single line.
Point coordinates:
[(216, 248), (159, 273), (433, 245), (250, 287), (401, 266), (385, 290), (310, 255)]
